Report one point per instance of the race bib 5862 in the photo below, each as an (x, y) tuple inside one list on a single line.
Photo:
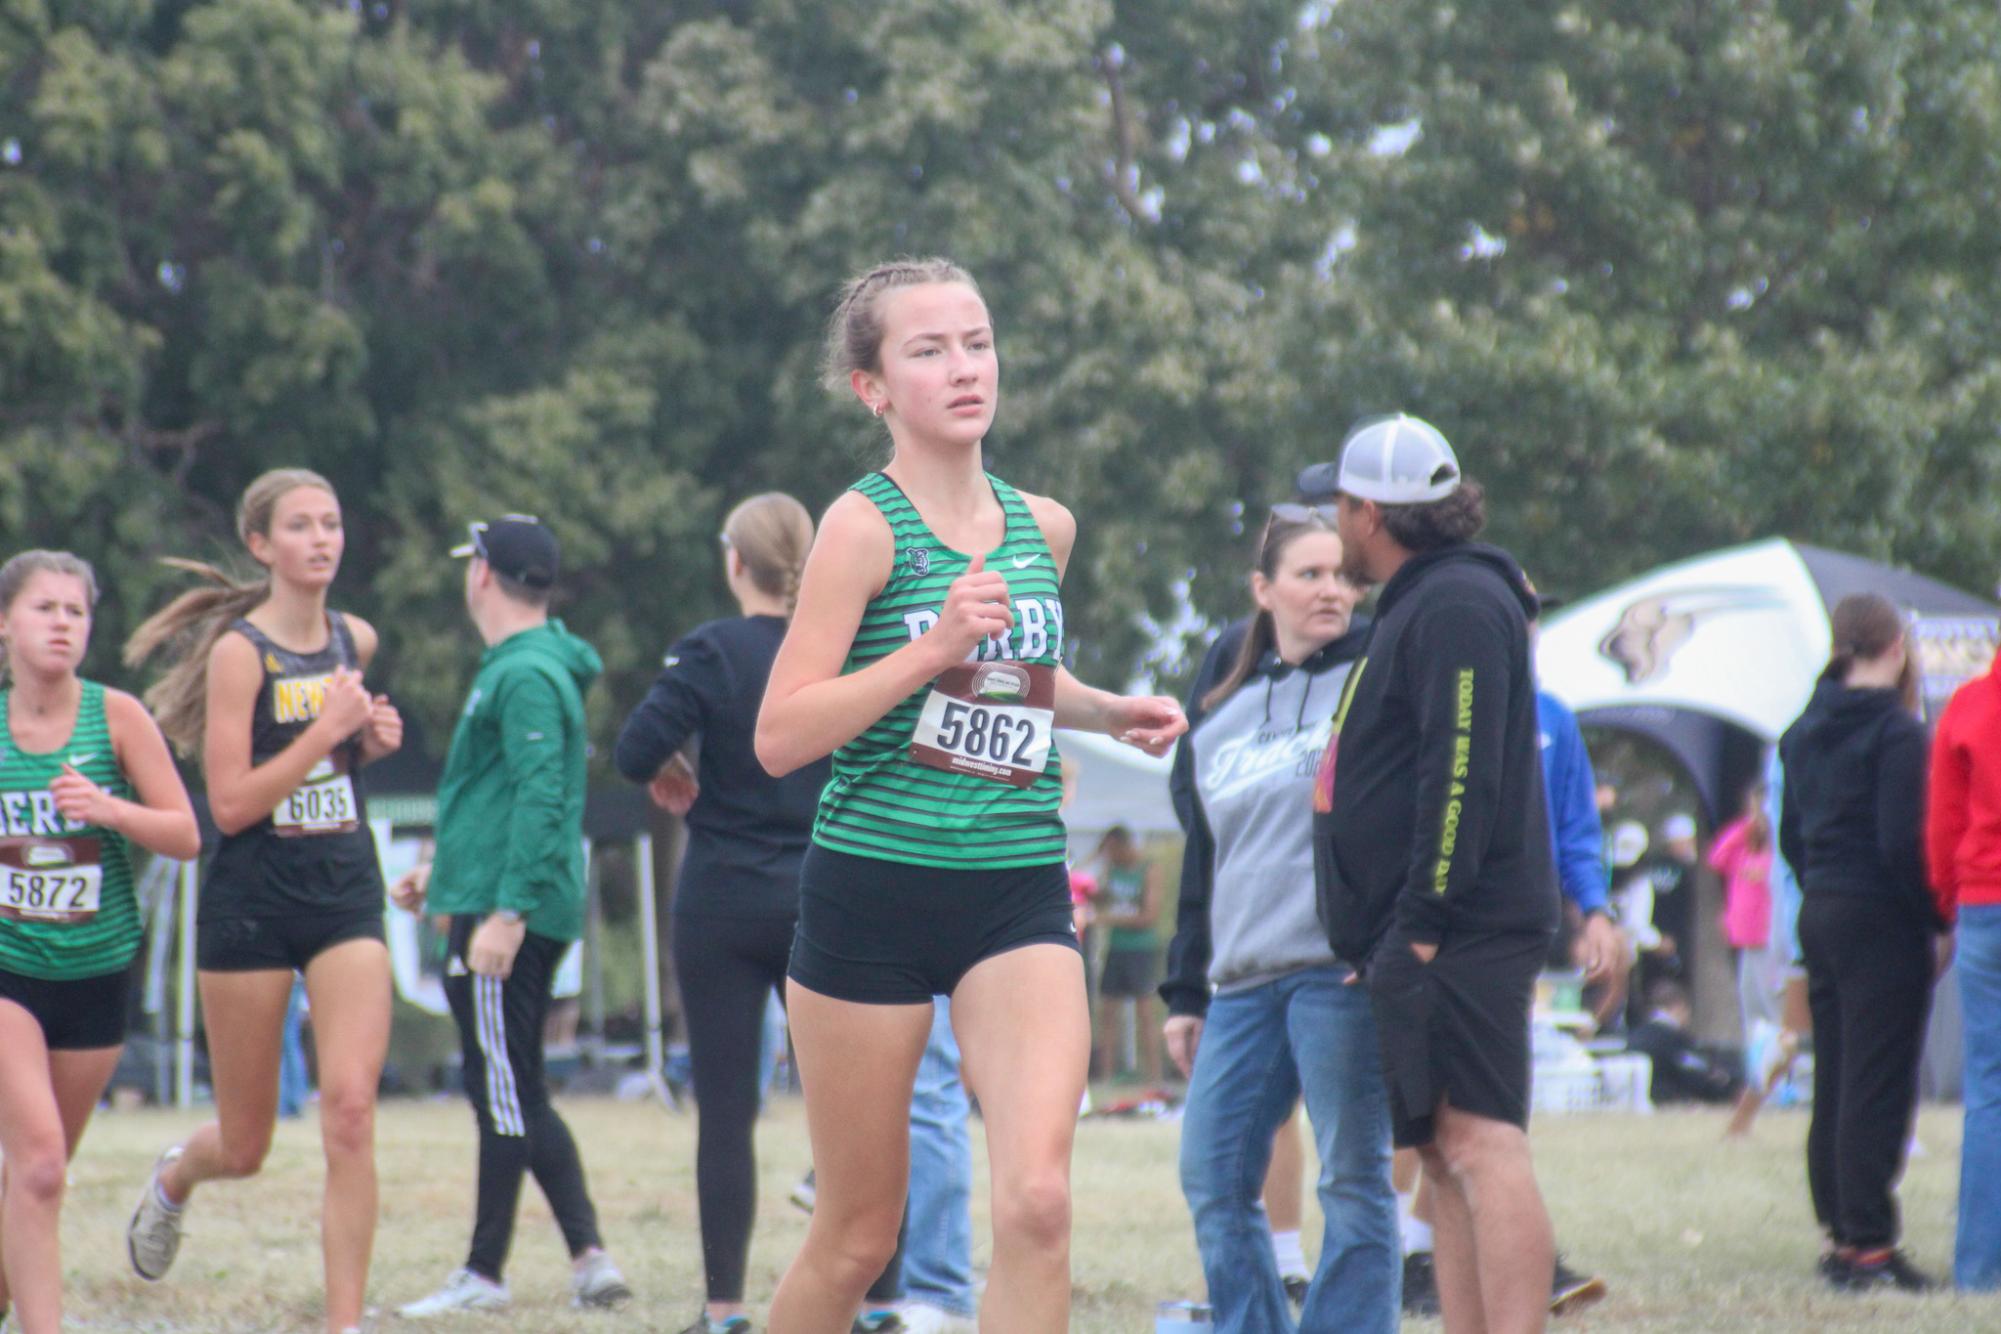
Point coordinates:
[(992, 720)]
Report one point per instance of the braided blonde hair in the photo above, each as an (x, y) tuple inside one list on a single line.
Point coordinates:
[(854, 332), (772, 532)]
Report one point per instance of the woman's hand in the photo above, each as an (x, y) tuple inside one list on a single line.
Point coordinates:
[(82, 801), (383, 734), (408, 891), (674, 788), (1148, 722), (1182, 1034), (346, 707), (976, 609)]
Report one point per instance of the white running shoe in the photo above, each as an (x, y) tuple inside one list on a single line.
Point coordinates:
[(596, 1283), (153, 1237), (463, 1291), (924, 1318)]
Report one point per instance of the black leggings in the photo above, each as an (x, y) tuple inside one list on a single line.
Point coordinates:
[(1869, 985), (727, 966)]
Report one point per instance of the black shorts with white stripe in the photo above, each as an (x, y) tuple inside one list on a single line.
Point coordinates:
[(500, 1026)]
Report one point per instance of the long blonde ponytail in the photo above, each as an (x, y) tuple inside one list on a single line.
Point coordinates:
[(772, 532)]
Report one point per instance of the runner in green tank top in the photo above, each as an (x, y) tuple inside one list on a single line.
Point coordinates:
[(925, 655), (72, 756), (881, 802)]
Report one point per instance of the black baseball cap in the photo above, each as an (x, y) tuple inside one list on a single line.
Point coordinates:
[(1318, 483), (517, 546)]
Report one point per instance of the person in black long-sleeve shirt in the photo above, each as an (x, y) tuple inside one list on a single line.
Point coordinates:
[(1432, 855), (737, 896), (1851, 825)]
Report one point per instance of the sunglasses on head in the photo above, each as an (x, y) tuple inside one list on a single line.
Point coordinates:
[(1288, 512)]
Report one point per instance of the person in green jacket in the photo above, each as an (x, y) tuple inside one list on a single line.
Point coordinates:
[(508, 870)]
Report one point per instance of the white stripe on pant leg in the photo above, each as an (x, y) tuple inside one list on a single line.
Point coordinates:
[(503, 1106)]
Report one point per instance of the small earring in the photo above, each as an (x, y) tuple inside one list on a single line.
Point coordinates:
[(878, 409)]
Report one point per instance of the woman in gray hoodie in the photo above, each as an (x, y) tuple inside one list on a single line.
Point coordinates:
[(1260, 1011)]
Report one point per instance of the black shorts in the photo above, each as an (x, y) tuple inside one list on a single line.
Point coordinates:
[(886, 933), (1456, 1029), (81, 1014), (260, 944), (1129, 973)]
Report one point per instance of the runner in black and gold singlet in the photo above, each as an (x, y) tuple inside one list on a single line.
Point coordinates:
[(272, 700), (926, 656), (84, 774)]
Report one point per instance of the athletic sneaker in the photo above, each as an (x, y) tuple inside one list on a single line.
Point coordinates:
[(924, 1318), (597, 1284), (153, 1237), (1571, 1291), (804, 1194), (881, 1320), (1890, 1272), (729, 1324), (463, 1291), (1420, 1285)]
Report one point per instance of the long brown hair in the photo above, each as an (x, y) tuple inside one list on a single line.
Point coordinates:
[(189, 626), (1263, 634), (772, 532), (1864, 627), (16, 573)]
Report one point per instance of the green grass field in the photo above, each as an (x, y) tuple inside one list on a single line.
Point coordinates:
[(1692, 1234)]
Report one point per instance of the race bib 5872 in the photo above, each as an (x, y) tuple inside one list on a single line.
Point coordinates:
[(50, 880)]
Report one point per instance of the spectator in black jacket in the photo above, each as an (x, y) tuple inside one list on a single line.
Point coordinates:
[(1851, 825), (1432, 855), (737, 897)]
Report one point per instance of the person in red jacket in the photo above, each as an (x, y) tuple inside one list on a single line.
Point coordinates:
[(1963, 841)]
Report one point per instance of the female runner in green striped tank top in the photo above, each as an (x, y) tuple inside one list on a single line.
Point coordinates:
[(72, 756), (926, 656)]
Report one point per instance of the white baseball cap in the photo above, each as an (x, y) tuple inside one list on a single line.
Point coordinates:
[(1398, 460)]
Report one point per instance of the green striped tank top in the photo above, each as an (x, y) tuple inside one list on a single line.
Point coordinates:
[(880, 803), (45, 860)]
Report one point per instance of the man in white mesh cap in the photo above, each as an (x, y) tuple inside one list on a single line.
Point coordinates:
[(1432, 856)]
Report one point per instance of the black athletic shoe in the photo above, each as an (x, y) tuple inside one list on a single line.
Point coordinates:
[(1571, 1291), (1893, 1273), (1295, 1289), (1420, 1285), (1832, 1269)]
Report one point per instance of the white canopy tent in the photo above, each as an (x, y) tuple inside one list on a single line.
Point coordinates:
[(1732, 640)]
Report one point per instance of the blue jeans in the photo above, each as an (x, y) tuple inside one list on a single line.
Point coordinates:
[(1976, 1258), (1261, 1048), (938, 1243)]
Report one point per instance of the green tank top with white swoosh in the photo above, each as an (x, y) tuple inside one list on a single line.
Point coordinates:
[(44, 858), (880, 803)]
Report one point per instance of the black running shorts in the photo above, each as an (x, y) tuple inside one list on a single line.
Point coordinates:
[(80, 1014), (887, 933), (259, 944), (1456, 1029)]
